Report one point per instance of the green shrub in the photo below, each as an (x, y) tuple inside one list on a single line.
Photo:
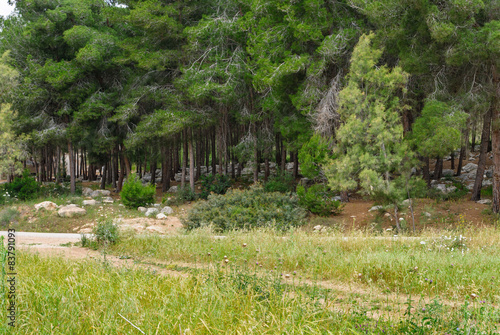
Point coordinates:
[(218, 184), (282, 182), (24, 187), (460, 191), (185, 194), (8, 215), (319, 200), (59, 189), (487, 191), (245, 210), (134, 194), (106, 232)]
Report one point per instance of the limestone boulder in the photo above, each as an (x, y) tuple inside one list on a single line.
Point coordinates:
[(71, 211), (47, 205)]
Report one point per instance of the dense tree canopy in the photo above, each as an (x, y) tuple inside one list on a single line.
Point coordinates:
[(355, 88)]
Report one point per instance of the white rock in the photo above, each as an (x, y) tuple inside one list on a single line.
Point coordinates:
[(107, 200), (161, 216), (469, 167), (156, 205), (484, 201), (172, 189), (375, 208), (167, 210), (87, 192), (90, 202), (487, 182), (142, 209), (100, 193), (318, 227), (70, 211), (450, 189), (448, 172), (427, 214), (47, 205), (151, 211)]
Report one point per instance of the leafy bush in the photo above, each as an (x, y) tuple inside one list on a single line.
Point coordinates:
[(319, 200), (487, 192), (459, 192), (282, 182), (23, 188), (105, 233), (8, 215), (217, 184), (185, 194), (134, 194), (245, 210), (59, 189)]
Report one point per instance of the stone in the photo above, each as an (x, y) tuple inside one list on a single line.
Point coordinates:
[(90, 202), (172, 189), (151, 211), (441, 187), (427, 214), (484, 201), (156, 205), (47, 205), (71, 211), (448, 172), (87, 192), (469, 167), (470, 186), (487, 182), (167, 210), (100, 193), (318, 227), (107, 200), (375, 208), (406, 202), (142, 209), (489, 173), (337, 198), (450, 189), (161, 216)]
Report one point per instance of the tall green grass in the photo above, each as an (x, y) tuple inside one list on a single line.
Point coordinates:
[(432, 265), (56, 296)]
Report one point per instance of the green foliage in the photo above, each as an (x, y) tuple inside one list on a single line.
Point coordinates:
[(319, 200), (185, 194), (23, 188), (487, 191), (313, 155), (247, 209), (8, 216), (104, 234), (436, 131), (370, 140), (134, 194), (55, 190), (282, 182), (459, 192), (217, 184)]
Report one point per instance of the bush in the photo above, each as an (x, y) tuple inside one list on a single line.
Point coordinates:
[(106, 232), (319, 200), (218, 184), (185, 194), (23, 188), (245, 210), (460, 191), (283, 182), (8, 215), (134, 194), (55, 190)]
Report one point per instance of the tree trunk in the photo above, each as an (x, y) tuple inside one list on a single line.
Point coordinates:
[(214, 155), (426, 171), (191, 159), (167, 162), (114, 167), (152, 169), (495, 143), (121, 176), (103, 176), (255, 154), (481, 165), (460, 161), (184, 159), (295, 165), (71, 168), (266, 169), (452, 160)]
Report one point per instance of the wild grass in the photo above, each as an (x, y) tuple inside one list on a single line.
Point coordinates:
[(452, 265), (56, 296)]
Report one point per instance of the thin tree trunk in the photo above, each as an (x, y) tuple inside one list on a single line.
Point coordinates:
[(426, 171), (255, 154), (165, 168), (184, 159), (121, 175), (460, 161), (495, 142), (71, 168), (452, 160), (481, 165), (191, 160), (103, 176), (295, 165)]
